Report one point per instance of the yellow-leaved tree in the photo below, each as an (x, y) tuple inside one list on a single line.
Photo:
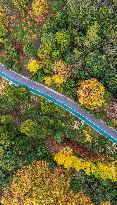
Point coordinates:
[(33, 65)]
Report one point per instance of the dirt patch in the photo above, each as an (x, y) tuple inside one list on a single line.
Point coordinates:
[(79, 149)]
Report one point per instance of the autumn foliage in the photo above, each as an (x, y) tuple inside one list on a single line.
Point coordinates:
[(62, 69), (33, 66), (99, 169), (39, 10), (35, 184), (20, 5), (91, 94)]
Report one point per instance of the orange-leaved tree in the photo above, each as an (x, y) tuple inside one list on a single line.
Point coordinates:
[(36, 184), (91, 94), (62, 69)]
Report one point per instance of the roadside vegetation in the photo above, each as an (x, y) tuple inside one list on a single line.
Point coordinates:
[(48, 156)]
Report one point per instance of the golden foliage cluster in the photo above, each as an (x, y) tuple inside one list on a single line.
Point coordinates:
[(34, 65), (39, 10), (36, 185), (55, 79), (100, 169), (91, 94)]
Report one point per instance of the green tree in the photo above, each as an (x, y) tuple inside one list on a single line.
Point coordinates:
[(96, 63), (6, 119), (30, 128), (92, 37)]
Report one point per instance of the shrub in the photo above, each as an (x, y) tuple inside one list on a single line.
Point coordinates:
[(46, 48), (63, 39), (58, 80), (23, 31), (59, 137), (35, 184), (4, 138), (111, 111), (3, 83), (3, 14), (16, 94), (22, 146), (75, 185), (44, 53), (10, 51), (6, 119), (48, 80), (91, 94), (39, 10), (33, 66), (101, 192), (29, 128)]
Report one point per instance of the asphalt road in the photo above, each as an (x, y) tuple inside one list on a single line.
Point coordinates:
[(60, 100)]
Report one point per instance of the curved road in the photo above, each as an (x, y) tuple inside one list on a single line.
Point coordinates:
[(60, 100)]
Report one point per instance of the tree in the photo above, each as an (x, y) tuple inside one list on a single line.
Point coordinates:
[(36, 184), (33, 66), (39, 10), (96, 64), (30, 128), (6, 119), (62, 69), (3, 21), (63, 39), (92, 37)]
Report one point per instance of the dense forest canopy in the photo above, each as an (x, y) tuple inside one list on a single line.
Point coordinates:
[(47, 156)]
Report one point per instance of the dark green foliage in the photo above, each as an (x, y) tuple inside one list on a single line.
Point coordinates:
[(96, 64), (9, 161), (94, 31), (22, 145), (75, 185), (8, 63), (16, 67), (98, 190), (32, 113), (60, 21), (52, 164), (81, 33), (58, 136), (14, 95), (10, 50), (42, 152), (29, 50), (69, 88)]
